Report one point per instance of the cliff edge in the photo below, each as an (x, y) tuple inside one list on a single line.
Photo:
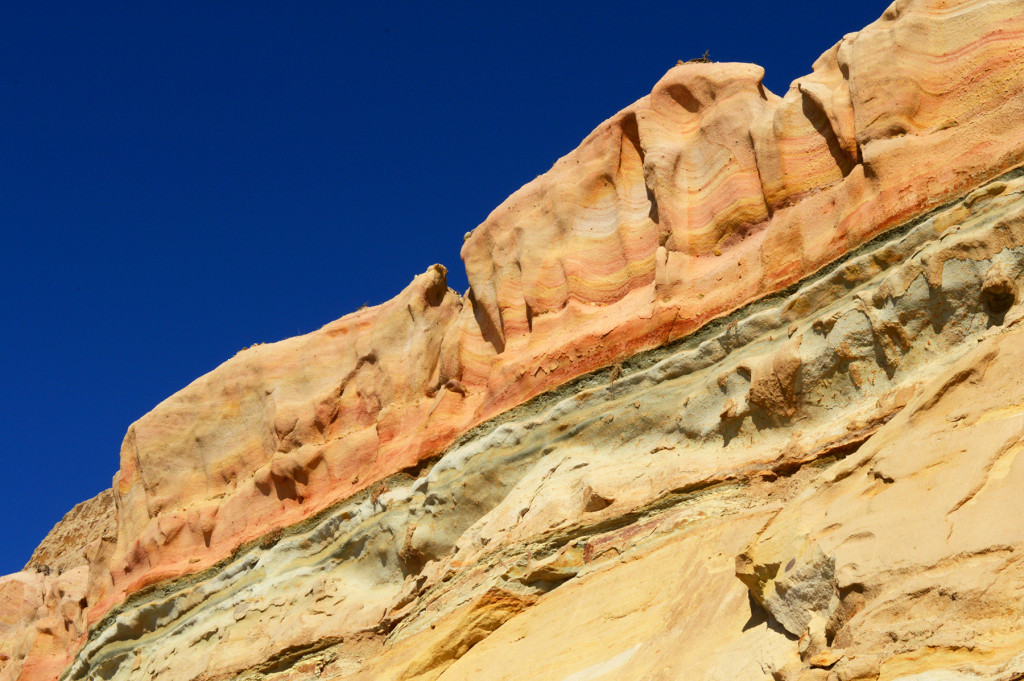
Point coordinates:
[(732, 394)]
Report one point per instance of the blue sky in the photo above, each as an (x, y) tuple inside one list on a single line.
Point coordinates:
[(179, 180)]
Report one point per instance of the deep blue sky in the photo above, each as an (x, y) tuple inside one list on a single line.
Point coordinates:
[(179, 180)]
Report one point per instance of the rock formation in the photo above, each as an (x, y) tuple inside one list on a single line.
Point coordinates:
[(733, 394)]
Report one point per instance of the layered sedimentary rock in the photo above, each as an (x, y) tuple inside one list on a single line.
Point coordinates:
[(731, 395)]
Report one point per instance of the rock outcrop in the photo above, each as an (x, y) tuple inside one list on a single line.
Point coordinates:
[(731, 395), (66, 546)]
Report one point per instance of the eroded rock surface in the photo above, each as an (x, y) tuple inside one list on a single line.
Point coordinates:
[(732, 395), (67, 546)]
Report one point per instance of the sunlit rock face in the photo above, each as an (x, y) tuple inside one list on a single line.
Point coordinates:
[(733, 394)]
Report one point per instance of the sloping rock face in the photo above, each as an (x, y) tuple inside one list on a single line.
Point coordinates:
[(91, 521), (733, 394)]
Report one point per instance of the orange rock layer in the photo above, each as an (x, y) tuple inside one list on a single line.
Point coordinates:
[(705, 195)]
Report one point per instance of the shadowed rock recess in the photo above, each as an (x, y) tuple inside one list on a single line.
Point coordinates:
[(735, 393)]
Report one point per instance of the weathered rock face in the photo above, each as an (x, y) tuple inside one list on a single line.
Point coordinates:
[(732, 395), (67, 545)]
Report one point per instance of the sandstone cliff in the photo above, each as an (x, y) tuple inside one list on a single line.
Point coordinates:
[(732, 395)]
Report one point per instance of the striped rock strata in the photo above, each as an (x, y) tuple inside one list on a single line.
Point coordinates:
[(743, 361)]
